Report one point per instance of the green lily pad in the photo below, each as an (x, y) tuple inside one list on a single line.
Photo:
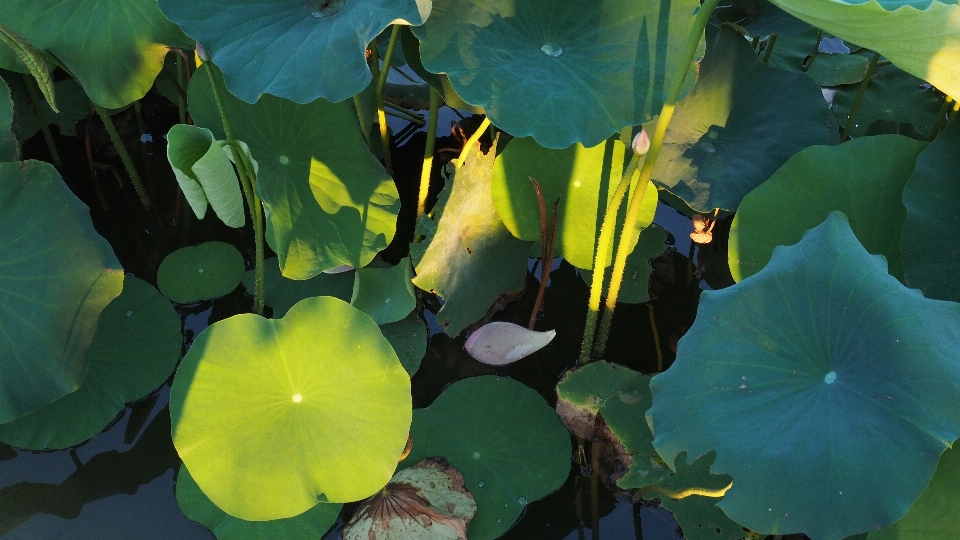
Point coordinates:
[(635, 288), (135, 349), (794, 52), (312, 524), (408, 338), (933, 515), (56, 276), (200, 272), (893, 95), (583, 178), (506, 441), (439, 81), (9, 146), (328, 201), (820, 382), (738, 126), (282, 293), (321, 43), (425, 502), (838, 69), (114, 47), (563, 74), (273, 416), (205, 174), (385, 294), (930, 251), (891, 27), (863, 178), (468, 257)]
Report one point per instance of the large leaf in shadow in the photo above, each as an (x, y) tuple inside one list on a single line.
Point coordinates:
[(297, 50), (922, 37), (863, 178), (559, 71), (826, 387), (273, 416), (114, 47), (505, 440), (930, 249), (9, 146), (282, 293), (328, 201), (583, 179), (135, 349), (467, 256), (440, 82), (56, 276), (740, 123), (313, 523)]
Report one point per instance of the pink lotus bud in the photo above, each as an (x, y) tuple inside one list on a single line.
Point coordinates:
[(641, 143), (202, 53)]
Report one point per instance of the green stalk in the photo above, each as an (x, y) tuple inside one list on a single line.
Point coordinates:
[(381, 115), (364, 126), (247, 176), (770, 44), (387, 59), (404, 116), (428, 153), (181, 95), (471, 142), (860, 94), (44, 125), (403, 110), (816, 50), (124, 155), (646, 171), (754, 42)]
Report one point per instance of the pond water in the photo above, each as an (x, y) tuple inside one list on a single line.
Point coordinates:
[(120, 484)]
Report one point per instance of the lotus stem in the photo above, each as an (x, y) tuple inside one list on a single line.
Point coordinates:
[(404, 116), (364, 126), (428, 153), (181, 95), (403, 110), (381, 115), (754, 42), (770, 44), (44, 126), (856, 102), (546, 251), (124, 155), (471, 142), (656, 337), (387, 59), (646, 171), (816, 50)]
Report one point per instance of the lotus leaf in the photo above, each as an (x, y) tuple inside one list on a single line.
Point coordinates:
[(72, 103), (930, 253), (408, 338), (584, 180), (635, 288), (582, 392), (468, 257), (505, 440), (440, 82), (562, 73), (795, 53), (135, 349), (196, 506), (200, 272), (328, 201), (807, 379), (838, 69), (738, 126), (9, 147), (282, 293), (425, 502), (385, 294), (863, 178), (205, 174), (922, 37), (272, 416), (300, 51), (115, 48), (56, 276)]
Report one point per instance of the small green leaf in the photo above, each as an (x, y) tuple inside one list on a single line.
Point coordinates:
[(409, 340), (205, 174), (282, 293), (31, 57), (385, 294), (200, 272)]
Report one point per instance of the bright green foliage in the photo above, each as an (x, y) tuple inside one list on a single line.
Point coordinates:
[(328, 200), (136, 347), (584, 179), (56, 276), (9, 147), (200, 272), (893, 95), (300, 51), (205, 174), (408, 338), (385, 294), (468, 257), (929, 246), (922, 37), (504, 438), (933, 516), (635, 288), (808, 378), (862, 178), (740, 123), (563, 73), (114, 47), (282, 293), (310, 525), (272, 416)]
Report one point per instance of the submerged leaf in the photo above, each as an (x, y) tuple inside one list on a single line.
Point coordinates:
[(500, 343)]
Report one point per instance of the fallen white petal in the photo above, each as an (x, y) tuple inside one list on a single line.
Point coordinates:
[(501, 343)]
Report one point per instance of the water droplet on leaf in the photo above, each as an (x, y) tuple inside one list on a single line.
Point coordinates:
[(522, 501), (551, 49), (830, 377), (709, 148), (297, 398), (479, 484)]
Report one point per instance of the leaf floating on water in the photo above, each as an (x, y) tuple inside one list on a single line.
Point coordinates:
[(426, 501), (502, 343)]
